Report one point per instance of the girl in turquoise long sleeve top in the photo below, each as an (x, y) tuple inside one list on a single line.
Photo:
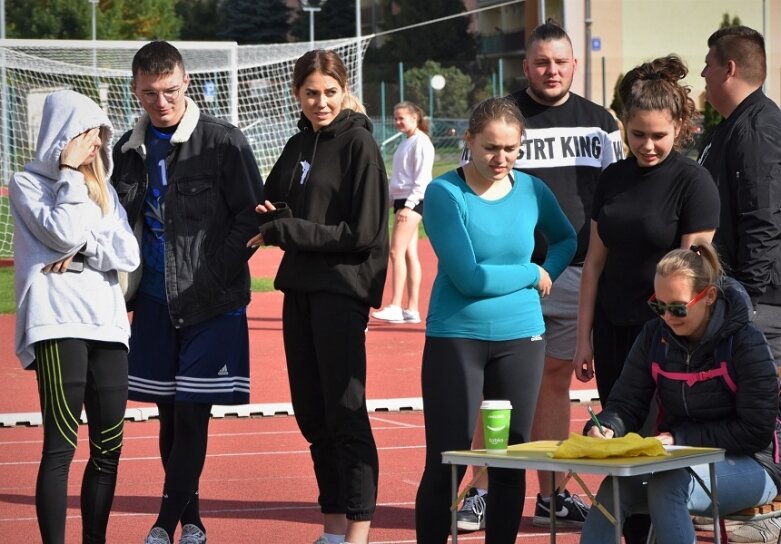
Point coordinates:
[(485, 332), (486, 283)]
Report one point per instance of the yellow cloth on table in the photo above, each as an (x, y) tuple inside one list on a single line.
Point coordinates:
[(632, 445)]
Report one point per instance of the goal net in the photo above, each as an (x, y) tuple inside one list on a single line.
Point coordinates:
[(247, 85)]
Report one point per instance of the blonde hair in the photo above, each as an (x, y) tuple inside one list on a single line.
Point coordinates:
[(95, 176), (351, 102), (700, 264), (95, 180)]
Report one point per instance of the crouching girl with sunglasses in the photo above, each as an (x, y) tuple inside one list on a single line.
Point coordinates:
[(715, 384)]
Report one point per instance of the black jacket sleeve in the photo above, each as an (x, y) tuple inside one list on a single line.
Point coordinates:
[(755, 173), (242, 190)]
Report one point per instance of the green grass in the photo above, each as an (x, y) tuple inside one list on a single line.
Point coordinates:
[(7, 298), (442, 167), (262, 285)]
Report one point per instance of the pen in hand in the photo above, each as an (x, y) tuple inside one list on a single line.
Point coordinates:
[(596, 421)]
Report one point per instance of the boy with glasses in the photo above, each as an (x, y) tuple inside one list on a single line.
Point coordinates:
[(191, 182)]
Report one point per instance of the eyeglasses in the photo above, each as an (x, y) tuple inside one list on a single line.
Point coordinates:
[(676, 309), (150, 97)]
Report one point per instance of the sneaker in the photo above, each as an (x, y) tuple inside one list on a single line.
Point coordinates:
[(705, 523), (471, 516), (323, 540), (390, 313), (192, 534), (758, 532), (157, 536), (571, 511), (411, 316)]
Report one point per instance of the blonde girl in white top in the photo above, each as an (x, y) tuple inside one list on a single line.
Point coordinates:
[(412, 165)]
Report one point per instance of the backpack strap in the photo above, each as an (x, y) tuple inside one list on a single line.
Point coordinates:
[(722, 354)]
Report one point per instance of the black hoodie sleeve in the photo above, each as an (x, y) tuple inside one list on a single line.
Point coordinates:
[(631, 397)]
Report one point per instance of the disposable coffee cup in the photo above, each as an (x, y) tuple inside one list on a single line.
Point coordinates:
[(496, 424)]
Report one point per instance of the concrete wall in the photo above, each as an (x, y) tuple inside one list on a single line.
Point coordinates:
[(634, 31)]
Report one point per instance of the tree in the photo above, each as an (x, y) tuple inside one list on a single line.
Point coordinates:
[(54, 19), (448, 42), (138, 20), (72, 19), (250, 21), (336, 19), (617, 105), (452, 101), (200, 19)]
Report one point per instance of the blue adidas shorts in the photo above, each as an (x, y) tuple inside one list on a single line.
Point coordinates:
[(206, 363)]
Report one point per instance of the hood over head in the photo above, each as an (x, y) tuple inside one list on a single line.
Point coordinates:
[(66, 114)]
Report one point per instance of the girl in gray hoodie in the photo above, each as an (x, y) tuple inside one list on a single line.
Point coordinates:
[(71, 237)]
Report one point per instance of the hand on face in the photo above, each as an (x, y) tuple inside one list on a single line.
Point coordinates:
[(82, 149)]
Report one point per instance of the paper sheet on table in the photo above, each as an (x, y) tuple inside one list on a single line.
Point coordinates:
[(632, 445)]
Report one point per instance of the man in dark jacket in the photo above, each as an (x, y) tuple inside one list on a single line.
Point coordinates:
[(744, 158), (189, 183)]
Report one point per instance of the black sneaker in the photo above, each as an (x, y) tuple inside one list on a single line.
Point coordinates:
[(471, 516), (571, 511)]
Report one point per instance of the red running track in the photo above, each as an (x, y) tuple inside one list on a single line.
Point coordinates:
[(257, 485)]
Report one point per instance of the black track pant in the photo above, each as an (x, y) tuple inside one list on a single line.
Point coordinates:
[(457, 374), (72, 373), (325, 346)]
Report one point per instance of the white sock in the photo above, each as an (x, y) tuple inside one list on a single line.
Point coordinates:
[(333, 539), (481, 492)]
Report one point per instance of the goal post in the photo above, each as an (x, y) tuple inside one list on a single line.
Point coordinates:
[(248, 85)]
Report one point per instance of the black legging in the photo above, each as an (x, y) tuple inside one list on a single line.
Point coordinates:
[(457, 373), (73, 372)]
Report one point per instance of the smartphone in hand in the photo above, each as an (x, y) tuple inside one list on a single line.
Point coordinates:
[(77, 264)]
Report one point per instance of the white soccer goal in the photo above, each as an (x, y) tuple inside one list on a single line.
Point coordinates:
[(247, 85)]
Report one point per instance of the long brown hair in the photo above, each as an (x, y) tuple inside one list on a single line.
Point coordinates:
[(328, 63)]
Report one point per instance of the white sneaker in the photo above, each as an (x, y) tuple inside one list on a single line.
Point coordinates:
[(390, 313), (157, 536), (192, 534), (323, 540), (753, 532), (411, 316)]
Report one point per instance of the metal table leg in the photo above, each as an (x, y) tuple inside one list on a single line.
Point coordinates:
[(617, 508), (715, 499), (553, 507), (453, 497)]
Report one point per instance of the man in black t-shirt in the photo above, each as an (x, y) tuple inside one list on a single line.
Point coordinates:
[(567, 142)]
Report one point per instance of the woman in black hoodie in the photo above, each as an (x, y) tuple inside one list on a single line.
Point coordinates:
[(714, 380), (327, 209)]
